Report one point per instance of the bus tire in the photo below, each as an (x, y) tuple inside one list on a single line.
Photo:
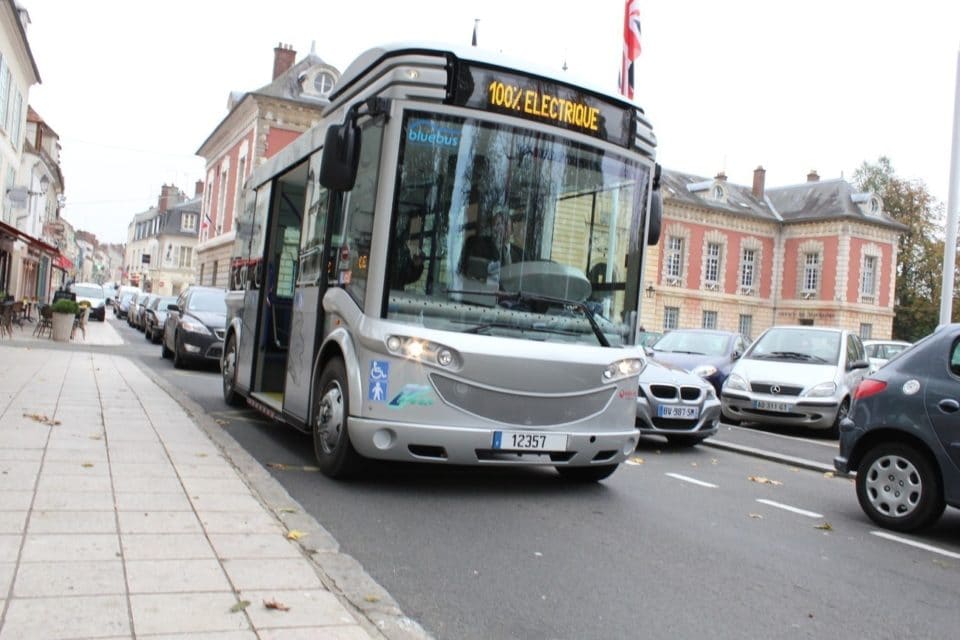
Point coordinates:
[(229, 374), (335, 454), (594, 473)]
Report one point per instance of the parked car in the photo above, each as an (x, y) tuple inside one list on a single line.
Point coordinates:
[(901, 435), (707, 353), (647, 338), (678, 405), (194, 328), (121, 308), (92, 294), (155, 315), (110, 291), (797, 376), (134, 307), (143, 302), (880, 351)]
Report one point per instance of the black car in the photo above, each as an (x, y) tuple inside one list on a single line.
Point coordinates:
[(155, 315), (902, 435), (194, 328), (707, 353)]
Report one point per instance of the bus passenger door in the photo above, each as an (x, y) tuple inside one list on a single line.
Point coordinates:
[(311, 284), (246, 277)]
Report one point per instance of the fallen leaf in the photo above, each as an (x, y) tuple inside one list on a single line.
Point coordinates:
[(824, 526), (762, 480), (240, 606), (828, 474), (372, 598), (295, 535), (201, 455), (275, 604), (286, 510), (87, 465), (756, 516), (278, 465), (47, 420)]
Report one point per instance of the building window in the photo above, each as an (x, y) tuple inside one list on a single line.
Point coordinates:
[(748, 268), (188, 222), (711, 274), (673, 267), (213, 274), (868, 275), (671, 318), (745, 326), (709, 320), (201, 273), (185, 260), (811, 272), (866, 330)]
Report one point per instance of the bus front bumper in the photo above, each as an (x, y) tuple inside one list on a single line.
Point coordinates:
[(410, 442)]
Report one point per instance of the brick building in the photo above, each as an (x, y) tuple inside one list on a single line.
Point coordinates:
[(258, 125), (743, 258)]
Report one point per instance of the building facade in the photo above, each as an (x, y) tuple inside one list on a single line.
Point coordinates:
[(161, 243), (257, 126), (742, 258)]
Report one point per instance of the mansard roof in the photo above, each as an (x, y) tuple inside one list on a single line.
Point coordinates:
[(695, 190)]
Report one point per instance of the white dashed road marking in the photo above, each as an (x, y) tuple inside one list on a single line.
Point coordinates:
[(691, 480), (918, 545), (786, 507)]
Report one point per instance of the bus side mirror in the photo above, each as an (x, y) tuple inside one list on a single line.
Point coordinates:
[(656, 218), (341, 156)]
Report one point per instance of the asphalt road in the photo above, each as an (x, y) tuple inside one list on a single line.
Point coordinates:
[(703, 542)]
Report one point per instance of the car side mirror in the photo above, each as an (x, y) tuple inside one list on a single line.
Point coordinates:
[(735, 355), (173, 307), (858, 364)]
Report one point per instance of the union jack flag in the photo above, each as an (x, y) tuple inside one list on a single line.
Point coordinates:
[(631, 45)]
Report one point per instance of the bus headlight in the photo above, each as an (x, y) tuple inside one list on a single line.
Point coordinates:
[(423, 351), (623, 369)]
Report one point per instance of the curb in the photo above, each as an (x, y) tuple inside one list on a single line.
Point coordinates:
[(802, 463), (340, 573)]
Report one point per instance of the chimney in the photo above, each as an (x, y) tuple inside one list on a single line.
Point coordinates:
[(720, 176), (198, 189), (812, 176), (283, 58), (168, 194), (759, 178)]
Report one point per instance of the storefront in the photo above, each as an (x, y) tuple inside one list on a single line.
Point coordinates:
[(26, 265)]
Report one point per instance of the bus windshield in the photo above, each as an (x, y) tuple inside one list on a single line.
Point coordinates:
[(517, 233)]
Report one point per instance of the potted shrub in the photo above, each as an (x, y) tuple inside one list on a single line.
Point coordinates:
[(64, 314)]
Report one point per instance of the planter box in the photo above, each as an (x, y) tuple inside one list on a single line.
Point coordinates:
[(62, 326)]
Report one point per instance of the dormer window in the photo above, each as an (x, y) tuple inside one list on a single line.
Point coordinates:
[(323, 82), (717, 192), (874, 206)]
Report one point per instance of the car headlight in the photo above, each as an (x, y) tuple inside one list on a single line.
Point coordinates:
[(711, 392), (704, 370), (194, 327), (623, 369), (822, 390), (735, 382)]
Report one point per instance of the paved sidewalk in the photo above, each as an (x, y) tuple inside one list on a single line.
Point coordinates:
[(97, 334), (123, 516)]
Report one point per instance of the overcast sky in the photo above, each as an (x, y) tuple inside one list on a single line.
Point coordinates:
[(133, 87)]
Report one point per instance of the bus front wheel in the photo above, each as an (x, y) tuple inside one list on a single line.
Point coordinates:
[(331, 438), (229, 372)]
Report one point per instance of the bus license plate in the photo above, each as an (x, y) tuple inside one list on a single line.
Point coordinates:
[(675, 411), (767, 405), (529, 441)]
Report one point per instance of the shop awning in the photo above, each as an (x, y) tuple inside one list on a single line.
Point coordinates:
[(16, 234), (62, 262)]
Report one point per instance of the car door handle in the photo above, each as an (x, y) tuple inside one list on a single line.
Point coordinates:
[(948, 405)]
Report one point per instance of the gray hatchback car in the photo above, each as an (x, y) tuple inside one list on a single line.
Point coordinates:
[(796, 376)]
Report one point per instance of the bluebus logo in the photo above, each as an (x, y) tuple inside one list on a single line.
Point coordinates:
[(430, 133)]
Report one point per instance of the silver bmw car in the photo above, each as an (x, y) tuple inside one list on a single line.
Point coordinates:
[(678, 405)]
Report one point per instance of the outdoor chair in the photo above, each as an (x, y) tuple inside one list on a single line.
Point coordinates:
[(45, 323), (16, 313), (6, 320)]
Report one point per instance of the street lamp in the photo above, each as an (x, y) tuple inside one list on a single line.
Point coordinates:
[(650, 290)]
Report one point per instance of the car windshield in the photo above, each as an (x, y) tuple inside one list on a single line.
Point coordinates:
[(213, 301), (693, 342), (88, 291), (503, 231), (160, 304), (797, 345)]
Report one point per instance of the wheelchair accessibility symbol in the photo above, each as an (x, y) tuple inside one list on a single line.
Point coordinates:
[(379, 380)]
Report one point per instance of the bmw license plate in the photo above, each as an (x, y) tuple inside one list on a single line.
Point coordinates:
[(676, 411), (768, 405), (529, 441)]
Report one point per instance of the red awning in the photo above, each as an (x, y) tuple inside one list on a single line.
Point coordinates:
[(62, 262), (16, 234)]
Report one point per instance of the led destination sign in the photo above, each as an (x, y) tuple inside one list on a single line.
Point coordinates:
[(543, 101)]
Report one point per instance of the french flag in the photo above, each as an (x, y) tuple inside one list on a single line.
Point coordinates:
[(631, 46)]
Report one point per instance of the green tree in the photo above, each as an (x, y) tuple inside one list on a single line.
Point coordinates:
[(920, 250)]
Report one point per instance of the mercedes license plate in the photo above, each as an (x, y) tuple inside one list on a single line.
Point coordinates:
[(676, 411), (529, 441), (768, 405)]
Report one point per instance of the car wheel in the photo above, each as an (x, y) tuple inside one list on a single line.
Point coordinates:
[(898, 487), (148, 335), (842, 412), (685, 441), (178, 358), (164, 351), (229, 374), (331, 433), (594, 473)]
